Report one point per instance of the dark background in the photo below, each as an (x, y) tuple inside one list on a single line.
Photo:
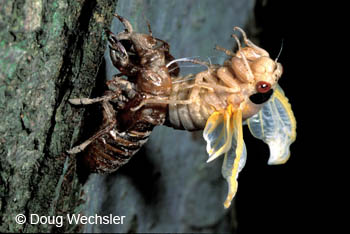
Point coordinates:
[(296, 199)]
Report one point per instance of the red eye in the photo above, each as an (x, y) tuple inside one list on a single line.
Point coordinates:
[(263, 87)]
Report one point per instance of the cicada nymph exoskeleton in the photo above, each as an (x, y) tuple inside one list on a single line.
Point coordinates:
[(142, 58), (219, 99)]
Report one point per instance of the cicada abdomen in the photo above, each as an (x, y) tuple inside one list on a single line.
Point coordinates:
[(114, 145), (127, 121)]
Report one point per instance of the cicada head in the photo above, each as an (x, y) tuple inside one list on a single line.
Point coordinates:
[(257, 72), (252, 65), (266, 73)]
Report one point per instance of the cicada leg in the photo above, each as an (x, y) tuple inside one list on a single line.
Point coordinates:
[(207, 79), (125, 22), (203, 79), (120, 91), (161, 100), (110, 118), (226, 51), (88, 101), (249, 43), (166, 100)]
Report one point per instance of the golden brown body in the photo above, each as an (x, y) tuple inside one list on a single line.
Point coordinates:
[(203, 101), (240, 81)]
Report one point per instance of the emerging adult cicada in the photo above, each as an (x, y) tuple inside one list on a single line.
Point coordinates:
[(245, 88), (221, 98)]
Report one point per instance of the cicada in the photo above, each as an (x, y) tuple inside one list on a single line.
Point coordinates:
[(142, 59), (219, 100)]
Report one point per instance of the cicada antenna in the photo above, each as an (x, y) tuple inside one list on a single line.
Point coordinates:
[(279, 53)]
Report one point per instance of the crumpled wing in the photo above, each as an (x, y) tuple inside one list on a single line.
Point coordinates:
[(275, 124), (224, 135), (235, 158), (218, 134)]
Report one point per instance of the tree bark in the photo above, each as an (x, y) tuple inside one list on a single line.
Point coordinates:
[(50, 50)]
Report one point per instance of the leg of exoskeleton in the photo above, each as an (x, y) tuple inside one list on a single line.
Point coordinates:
[(88, 101), (198, 84), (176, 80), (125, 22), (195, 87), (162, 101), (128, 28), (116, 87), (121, 86), (165, 100), (115, 44), (109, 116), (118, 54), (149, 28)]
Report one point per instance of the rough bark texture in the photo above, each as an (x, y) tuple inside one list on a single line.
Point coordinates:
[(49, 51), (168, 186)]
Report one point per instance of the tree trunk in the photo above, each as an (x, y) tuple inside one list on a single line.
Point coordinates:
[(50, 50)]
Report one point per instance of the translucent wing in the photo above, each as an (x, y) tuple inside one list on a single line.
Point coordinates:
[(218, 134), (235, 158), (223, 133), (275, 124)]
